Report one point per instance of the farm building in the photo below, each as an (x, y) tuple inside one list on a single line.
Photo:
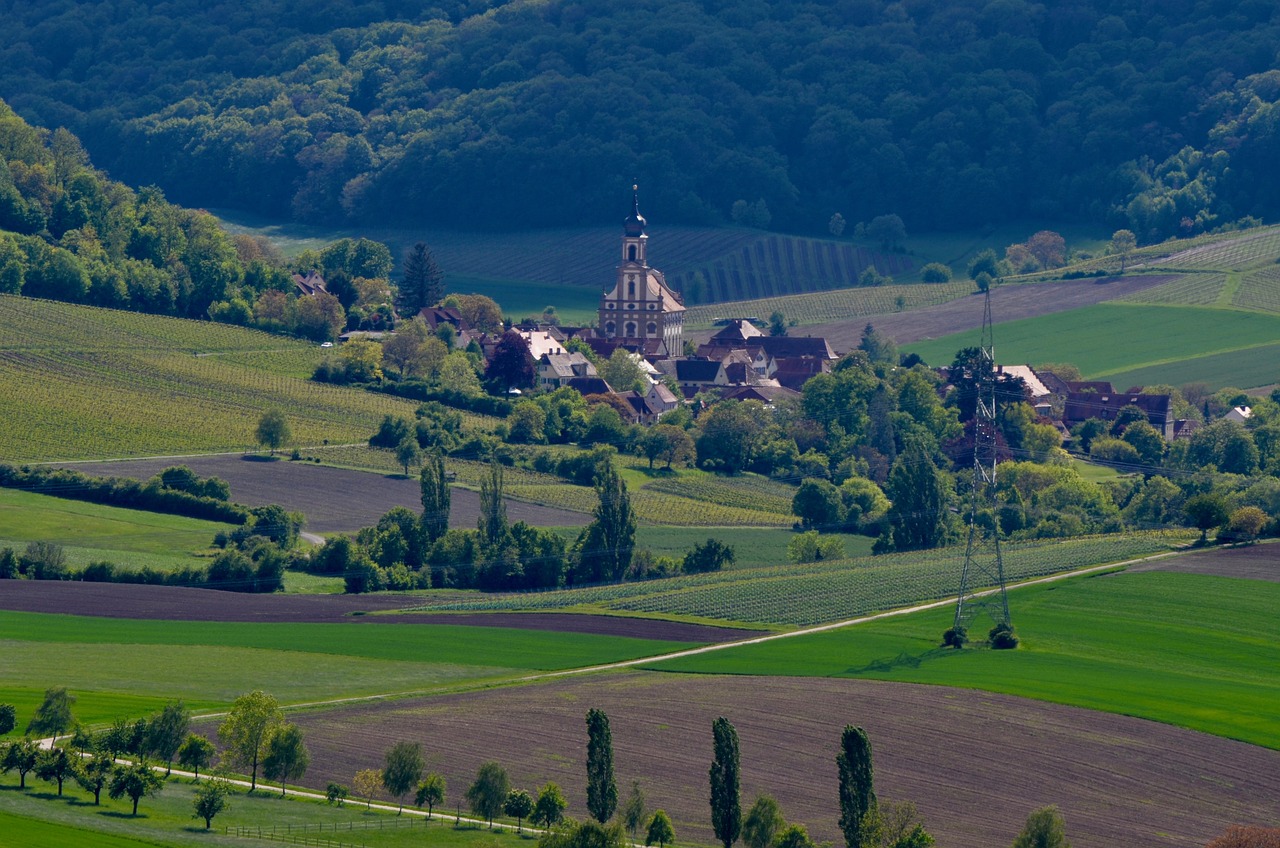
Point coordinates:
[(641, 305)]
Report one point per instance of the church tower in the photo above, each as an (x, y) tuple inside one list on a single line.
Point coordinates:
[(640, 307)]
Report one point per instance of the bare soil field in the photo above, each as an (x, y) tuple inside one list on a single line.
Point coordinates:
[(1252, 562), (1008, 303), (975, 763), (335, 500), (172, 603)]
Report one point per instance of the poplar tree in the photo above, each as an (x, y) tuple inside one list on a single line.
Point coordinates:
[(436, 497), (726, 803), (602, 790), (857, 795), (423, 282)]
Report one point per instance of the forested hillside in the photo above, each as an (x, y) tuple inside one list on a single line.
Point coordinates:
[(1156, 115)]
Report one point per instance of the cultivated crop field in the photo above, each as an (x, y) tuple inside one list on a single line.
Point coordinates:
[(1259, 290), (1097, 767), (1185, 290), (816, 593), (1229, 253), (840, 304)]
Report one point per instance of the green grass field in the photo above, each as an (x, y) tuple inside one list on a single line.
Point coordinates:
[(41, 819), (80, 382), (754, 547), (1185, 649), (1113, 339), (111, 663), (28, 517)]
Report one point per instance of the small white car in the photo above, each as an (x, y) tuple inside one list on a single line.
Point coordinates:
[(326, 344)]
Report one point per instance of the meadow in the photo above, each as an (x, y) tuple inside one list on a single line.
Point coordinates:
[(132, 666), (104, 532), (81, 382), (1116, 339), (1186, 649)]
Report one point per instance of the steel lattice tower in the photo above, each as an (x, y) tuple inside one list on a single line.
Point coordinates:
[(983, 562)]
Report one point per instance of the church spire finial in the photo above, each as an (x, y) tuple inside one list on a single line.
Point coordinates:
[(635, 223)]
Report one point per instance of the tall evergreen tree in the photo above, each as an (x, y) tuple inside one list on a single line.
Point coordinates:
[(857, 793), (602, 790), (436, 497), (605, 546), (726, 802), (423, 282)]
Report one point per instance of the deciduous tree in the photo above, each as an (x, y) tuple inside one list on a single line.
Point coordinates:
[(511, 366), (56, 765), (519, 804), (8, 716), (489, 791), (660, 830), (548, 810), (1045, 828), (402, 770), (136, 781), (286, 756), (21, 756), (763, 823), (633, 811), (166, 731), (273, 430), (367, 782), (436, 497), (726, 806), (94, 775), (196, 753), (210, 798), (430, 791), (606, 545), (247, 730), (53, 716)]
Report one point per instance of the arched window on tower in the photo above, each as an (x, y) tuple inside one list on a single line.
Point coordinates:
[(611, 329), (631, 287), (631, 252), (631, 329), (652, 329)]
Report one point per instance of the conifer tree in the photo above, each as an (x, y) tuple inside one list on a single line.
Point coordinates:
[(602, 790), (726, 803)]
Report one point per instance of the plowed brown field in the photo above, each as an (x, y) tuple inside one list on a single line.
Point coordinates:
[(976, 763), (1253, 562)]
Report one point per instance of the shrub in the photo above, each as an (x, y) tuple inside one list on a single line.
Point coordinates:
[(935, 272), (1002, 637), (955, 637)]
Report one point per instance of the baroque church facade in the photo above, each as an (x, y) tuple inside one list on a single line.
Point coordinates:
[(641, 307)]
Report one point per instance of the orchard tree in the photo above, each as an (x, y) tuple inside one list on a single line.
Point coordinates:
[(763, 823), (548, 810), (407, 453), (1122, 244), (726, 805), (21, 757), (402, 770), (136, 781), (94, 775), (248, 728), (1206, 512), (487, 795), (273, 430), (660, 830), (430, 792), (8, 714), (519, 805), (286, 755), (367, 782), (210, 799), (196, 753), (857, 793), (602, 790), (56, 765)]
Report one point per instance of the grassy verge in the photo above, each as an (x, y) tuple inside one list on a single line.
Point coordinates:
[(1190, 650)]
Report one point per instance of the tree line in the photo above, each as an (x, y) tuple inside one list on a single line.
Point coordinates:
[(497, 114)]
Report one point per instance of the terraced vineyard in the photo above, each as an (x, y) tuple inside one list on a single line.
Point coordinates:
[(838, 305), (79, 382), (1227, 253), (800, 595)]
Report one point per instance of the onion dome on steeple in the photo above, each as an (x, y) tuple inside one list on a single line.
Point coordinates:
[(635, 223)]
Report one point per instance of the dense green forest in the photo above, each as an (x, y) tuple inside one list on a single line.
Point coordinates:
[(1156, 115)]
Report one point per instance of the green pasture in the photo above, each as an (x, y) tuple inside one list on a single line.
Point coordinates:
[(1191, 650), (1114, 339), (38, 818), (107, 661), (30, 517), (1250, 368)]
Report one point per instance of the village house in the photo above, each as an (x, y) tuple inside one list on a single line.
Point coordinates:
[(311, 283)]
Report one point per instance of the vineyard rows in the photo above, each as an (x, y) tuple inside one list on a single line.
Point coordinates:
[(758, 495), (774, 266), (1187, 289), (1232, 254), (801, 595), (1259, 290), (838, 305)]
